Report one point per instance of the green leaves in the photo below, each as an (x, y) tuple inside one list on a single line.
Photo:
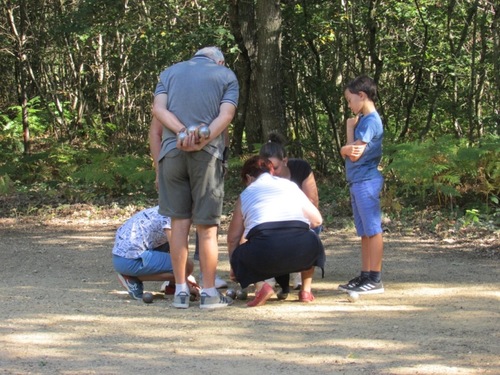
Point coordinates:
[(440, 171), (114, 176)]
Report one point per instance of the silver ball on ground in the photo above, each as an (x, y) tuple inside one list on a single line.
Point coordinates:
[(352, 296), (241, 294), (147, 297), (231, 293)]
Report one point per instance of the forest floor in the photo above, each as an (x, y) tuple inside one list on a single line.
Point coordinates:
[(63, 311)]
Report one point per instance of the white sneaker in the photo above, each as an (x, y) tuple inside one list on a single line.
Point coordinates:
[(181, 300), (297, 280), (271, 282), (216, 302), (219, 283), (164, 285)]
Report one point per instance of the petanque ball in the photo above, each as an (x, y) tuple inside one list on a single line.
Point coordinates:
[(192, 129), (147, 297), (204, 131), (231, 293), (352, 296), (241, 294), (181, 136)]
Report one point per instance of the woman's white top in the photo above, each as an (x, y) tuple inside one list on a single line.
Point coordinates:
[(270, 199)]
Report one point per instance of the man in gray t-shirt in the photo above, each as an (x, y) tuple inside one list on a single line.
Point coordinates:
[(199, 91)]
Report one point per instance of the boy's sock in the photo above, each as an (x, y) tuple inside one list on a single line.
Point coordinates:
[(375, 276), (365, 274)]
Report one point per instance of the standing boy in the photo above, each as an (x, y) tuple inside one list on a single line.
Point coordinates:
[(362, 154)]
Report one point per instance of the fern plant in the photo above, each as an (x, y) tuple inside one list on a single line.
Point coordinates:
[(113, 175), (442, 171)]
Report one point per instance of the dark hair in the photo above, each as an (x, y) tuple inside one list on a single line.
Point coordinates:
[(365, 84), (274, 147), (254, 167)]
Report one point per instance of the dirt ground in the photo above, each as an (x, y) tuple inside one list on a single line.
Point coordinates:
[(63, 311)]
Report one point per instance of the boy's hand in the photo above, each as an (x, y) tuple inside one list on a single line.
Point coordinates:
[(352, 122), (353, 151), (357, 151)]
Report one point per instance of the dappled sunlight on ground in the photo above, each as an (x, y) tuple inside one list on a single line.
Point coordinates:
[(63, 311)]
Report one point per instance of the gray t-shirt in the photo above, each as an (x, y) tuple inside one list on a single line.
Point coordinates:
[(195, 91)]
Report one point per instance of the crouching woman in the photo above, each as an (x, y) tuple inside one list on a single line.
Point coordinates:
[(270, 232)]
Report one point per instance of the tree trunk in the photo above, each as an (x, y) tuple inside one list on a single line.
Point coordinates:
[(257, 29), (269, 77)]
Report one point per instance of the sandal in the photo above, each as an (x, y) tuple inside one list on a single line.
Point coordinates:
[(305, 296), (261, 296)]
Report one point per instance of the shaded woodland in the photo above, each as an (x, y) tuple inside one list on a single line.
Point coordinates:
[(78, 78)]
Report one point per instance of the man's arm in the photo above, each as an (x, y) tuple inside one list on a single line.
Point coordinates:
[(155, 137), (166, 118), (217, 126)]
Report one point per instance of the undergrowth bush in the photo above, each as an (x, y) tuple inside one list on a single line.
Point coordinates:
[(116, 175), (446, 172), (75, 175), (455, 184)]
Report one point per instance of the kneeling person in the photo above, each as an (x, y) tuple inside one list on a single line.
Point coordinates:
[(275, 219), (142, 252)]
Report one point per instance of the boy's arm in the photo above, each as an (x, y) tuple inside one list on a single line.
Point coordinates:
[(351, 124), (353, 149)]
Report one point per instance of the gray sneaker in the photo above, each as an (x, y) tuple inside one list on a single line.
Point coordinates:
[(369, 287), (181, 300), (216, 302), (133, 285), (351, 284)]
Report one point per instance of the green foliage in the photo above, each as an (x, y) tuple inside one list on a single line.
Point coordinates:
[(232, 184), (11, 125), (334, 201), (114, 176), (37, 117), (445, 170), (6, 185), (471, 216), (76, 175)]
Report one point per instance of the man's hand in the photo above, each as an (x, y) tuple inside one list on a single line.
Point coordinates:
[(192, 142)]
